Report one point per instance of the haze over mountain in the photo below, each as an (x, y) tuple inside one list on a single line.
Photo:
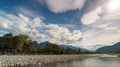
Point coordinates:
[(110, 49), (88, 24), (44, 44)]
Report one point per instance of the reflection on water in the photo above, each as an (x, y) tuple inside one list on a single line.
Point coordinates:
[(90, 62)]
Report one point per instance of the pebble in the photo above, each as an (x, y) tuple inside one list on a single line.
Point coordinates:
[(22, 60)]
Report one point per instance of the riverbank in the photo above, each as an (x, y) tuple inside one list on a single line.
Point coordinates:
[(22, 60)]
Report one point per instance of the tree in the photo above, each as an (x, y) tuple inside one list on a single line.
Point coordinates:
[(22, 44), (19, 43), (8, 35)]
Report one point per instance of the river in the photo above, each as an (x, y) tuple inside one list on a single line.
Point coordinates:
[(101, 61)]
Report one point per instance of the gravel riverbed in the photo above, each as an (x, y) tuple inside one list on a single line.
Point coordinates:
[(22, 60)]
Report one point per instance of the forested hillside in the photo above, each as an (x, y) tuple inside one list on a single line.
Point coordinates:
[(21, 44)]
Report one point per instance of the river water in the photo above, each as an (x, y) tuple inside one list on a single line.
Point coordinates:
[(101, 61)]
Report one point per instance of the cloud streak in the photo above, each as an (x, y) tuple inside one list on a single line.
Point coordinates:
[(37, 30), (100, 25), (92, 16), (102, 30), (59, 6)]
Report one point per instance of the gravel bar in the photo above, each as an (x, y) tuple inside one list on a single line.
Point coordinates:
[(22, 60)]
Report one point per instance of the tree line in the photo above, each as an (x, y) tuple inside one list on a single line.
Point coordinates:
[(21, 44)]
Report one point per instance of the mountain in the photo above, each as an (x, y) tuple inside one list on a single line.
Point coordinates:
[(72, 47), (40, 45), (44, 44), (110, 49)]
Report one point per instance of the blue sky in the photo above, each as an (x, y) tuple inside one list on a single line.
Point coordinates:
[(88, 24)]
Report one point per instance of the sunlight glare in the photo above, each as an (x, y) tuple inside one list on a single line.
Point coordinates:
[(113, 5)]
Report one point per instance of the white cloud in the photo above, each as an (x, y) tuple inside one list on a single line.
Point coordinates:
[(4, 25), (102, 31), (36, 29), (101, 37), (98, 30), (62, 35), (110, 28), (92, 16), (102, 25), (28, 12), (59, 6), (25, 19)]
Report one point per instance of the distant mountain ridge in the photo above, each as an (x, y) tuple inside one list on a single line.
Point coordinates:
[(72, 47), (44, 44), (40, 45), (110, 49)]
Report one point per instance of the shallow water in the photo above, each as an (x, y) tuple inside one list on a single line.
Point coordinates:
[(103, 61)]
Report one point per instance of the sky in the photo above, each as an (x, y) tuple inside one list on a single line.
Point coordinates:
[(88, 24)]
